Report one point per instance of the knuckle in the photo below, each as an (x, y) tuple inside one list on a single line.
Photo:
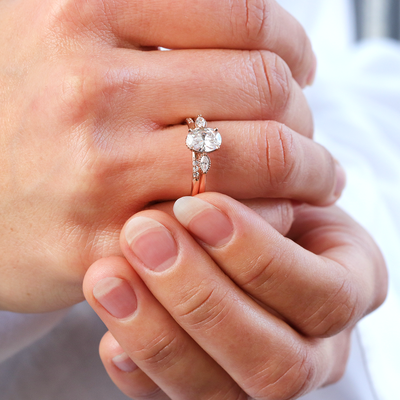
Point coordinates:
[(91, 177), (280, 86), (338, 312), (256, 19), (274, 83), (73, 16), (262, 273), (204, 307), (77, 90), (159, 351), (87, 89), (280, 157), (287, 379), (82, 99), (88, 98)]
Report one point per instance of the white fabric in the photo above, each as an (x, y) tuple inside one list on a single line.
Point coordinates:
[(18, 331), (356, 100), (63, 365)]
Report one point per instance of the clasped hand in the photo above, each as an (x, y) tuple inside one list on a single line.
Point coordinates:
[(221, 305)]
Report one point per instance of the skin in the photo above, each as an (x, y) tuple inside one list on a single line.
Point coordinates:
[(88, 106), (239, 312)]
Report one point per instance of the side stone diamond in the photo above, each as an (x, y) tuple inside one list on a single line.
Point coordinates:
[(205, 164)]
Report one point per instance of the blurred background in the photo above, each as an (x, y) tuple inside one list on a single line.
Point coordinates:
[(378, 18)]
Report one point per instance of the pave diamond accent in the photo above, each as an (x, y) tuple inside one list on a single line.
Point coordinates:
[(203, 140)]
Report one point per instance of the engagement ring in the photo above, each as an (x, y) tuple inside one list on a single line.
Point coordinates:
[(201, 140)]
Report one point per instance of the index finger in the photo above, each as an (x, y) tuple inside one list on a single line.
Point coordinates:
[(227, 24)]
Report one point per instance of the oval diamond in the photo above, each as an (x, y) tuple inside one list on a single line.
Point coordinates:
[(195, 141), (203, 140), (212, 141)]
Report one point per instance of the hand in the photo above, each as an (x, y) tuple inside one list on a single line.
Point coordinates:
[(90, 124), (236, 310)]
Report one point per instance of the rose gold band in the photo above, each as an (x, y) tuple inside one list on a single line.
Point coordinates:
[(190, 123), (198, 181)]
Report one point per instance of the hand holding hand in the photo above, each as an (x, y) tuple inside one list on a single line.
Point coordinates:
[(229, 307)]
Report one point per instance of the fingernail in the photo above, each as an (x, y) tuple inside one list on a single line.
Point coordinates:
[(340, 180), (313, 72), (204, 220), (116, 296), (151, 242), (124, 363)]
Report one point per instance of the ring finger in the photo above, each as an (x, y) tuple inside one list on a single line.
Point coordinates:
[(257, 159)]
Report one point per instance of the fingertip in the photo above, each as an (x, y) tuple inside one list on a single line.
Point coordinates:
[(124, 372), (138, 223), (183, 207), (339, 184), (109, 347), (204, 220), (102, 277), (124, 363), (102, 269)]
